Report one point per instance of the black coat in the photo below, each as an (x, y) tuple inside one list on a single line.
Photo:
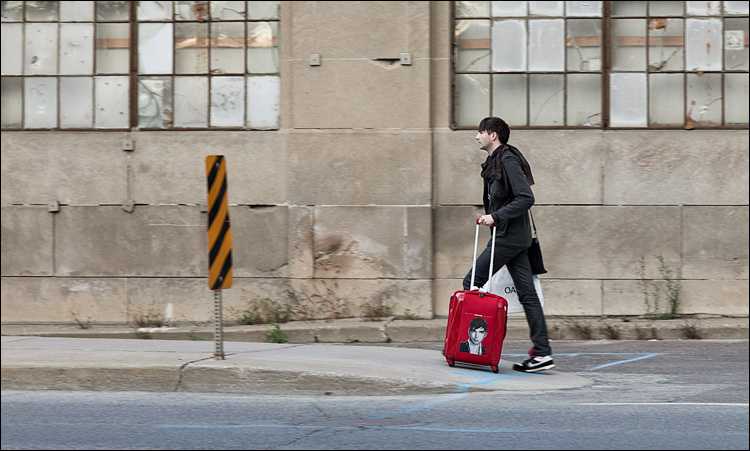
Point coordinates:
[(508, 197)]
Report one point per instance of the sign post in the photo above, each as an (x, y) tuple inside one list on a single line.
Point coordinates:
[(219, 243)]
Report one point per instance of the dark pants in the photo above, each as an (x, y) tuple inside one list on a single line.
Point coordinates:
[(517, 260)]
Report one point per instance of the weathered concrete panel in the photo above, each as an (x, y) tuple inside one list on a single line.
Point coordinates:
[(359, 29), (571, 297), (342, 298), (371, 242), (166, 240), (27, 241), (698, 167), (440, 66), (301, 242), (260, 239), (635, 297), (59, 299), (442, 290), (169, 167), (567, 165), (70, 167), (361, 94), (609, 242), (718, 297), (359, 168), (715, 243), (454, 241)]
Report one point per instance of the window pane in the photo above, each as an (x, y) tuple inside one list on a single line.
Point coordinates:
[(155, 48), (704, 99), (509, 98), (155, 102), (702, 8), (665, 51), (584, 45), (40, 102), (191, 48), (112, 102), (546, 99), (227, 48), (262, 10), (736, 86), (77, 11), (12, 103), (508, 9), (666, 8), (584, 100), (472, 45), (227, 10), (703, 46), (472, 9), (191, 102), (112, 48), (262, 52), (472, 102), (729, 7), (41, 11), (12, 11), (12, 44), (666, 99), (76, 48), (154, 10), (628, 9), (263, 102), (112, 11), (41, 49), (227, 101), (191, 10), (627, 93), (76, 102), (509, 45), (735, 51), (584, 9), (629, 44), (546, 49), (546, 8)]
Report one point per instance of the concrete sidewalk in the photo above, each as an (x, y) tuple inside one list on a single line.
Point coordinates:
[(260, 368), (407, 331)]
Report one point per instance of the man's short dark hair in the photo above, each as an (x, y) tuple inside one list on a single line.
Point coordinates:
[(478, 323), (497, 125)]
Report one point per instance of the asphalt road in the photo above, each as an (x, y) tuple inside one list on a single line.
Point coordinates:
[(646, 395)]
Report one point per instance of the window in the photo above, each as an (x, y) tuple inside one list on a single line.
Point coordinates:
[(195, 64), (65, 64), (616, 64)]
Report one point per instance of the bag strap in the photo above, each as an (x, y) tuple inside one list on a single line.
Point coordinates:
[(533, 226)]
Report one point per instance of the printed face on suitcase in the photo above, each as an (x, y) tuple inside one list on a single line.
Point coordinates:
[(477, 332)]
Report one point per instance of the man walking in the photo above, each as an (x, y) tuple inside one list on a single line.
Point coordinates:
[(507, 199)]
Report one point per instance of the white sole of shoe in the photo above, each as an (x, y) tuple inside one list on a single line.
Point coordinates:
[(536, 370)]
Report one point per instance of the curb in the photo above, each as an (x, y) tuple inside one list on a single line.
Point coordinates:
[(407, 331)]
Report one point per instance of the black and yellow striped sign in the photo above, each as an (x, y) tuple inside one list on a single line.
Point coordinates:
[(219, 232)]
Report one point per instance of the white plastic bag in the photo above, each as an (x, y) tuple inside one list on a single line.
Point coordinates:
[(502, 285)]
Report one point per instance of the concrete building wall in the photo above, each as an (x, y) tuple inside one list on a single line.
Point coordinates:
[(363, 201)]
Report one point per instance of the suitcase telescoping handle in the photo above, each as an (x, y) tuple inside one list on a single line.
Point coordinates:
[(492, 255)]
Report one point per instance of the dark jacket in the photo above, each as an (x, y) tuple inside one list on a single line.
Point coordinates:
[(508, 197)]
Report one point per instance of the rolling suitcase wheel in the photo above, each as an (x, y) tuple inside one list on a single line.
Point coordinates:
[(495, 369), (451, 363)]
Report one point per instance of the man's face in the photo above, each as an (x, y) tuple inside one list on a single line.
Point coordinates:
[(477, 335), (484, 139)]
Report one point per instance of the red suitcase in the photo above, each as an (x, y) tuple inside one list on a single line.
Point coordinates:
[(477, 322)]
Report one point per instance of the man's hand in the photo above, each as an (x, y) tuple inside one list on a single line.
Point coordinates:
[(487, 220)]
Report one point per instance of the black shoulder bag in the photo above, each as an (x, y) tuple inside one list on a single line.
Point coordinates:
[(535, 252)]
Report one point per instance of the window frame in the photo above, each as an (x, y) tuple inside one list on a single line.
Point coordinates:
[(134, 75), (606, 19)]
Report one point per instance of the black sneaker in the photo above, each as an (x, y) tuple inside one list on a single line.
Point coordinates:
[(535, 364)]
